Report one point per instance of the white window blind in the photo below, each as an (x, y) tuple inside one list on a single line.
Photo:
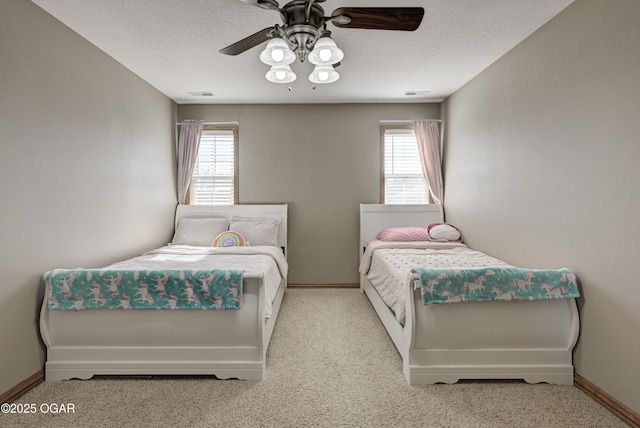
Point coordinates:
[(214, 175), (404, 181)]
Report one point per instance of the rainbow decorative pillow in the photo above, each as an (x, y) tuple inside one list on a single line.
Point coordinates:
[(228, 239)]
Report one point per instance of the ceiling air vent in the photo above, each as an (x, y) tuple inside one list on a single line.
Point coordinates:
[(417, 93), (201, 94)]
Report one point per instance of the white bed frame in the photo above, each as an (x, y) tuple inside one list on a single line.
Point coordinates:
[(227, 344), (482, 340)]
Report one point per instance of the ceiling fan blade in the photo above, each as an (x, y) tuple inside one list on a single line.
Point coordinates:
[(248, 42), (379, 18), (265, 4)]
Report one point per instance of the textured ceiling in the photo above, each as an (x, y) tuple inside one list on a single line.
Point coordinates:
[(173, 45)]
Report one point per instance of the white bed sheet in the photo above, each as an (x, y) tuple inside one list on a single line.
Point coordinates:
[(387, 264), (253, 260)]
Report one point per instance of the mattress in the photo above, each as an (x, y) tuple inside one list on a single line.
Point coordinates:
[(266, 260), (387, 265)]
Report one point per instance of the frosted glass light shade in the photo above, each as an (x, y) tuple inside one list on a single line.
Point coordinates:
[(325, 52), (277, 53), (324, 74), (281, 74)]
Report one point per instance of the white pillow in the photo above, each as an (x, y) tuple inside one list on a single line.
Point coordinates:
[(199, 231), (443, 232), (256, 231)]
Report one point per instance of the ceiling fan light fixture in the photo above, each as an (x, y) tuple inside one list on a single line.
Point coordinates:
[(277, 53), (281, 74), (323, 74), (304, 35), (325, 52)]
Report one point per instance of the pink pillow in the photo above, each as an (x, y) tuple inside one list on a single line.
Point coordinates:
[(403, 234)]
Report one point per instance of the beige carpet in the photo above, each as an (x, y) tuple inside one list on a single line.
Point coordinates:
[(330, 364)]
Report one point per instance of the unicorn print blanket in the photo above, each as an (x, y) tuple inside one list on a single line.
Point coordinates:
[(79, 289), (446, 285)]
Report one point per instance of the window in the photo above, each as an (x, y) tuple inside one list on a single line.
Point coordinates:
[(215, 175), (402, 178)]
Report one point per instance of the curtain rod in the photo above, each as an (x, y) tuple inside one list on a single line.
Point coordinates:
[(214, 123), (409, 121)]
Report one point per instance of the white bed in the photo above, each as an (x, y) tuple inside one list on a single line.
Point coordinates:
[(227, 344), (530, 340)]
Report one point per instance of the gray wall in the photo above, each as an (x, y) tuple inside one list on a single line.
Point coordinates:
[(323, 160), (87, 161), (542, 169)]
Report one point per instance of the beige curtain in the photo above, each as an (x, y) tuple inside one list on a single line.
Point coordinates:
[(428, 138), (188, 144)]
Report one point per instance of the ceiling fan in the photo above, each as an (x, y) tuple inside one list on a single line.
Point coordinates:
[(304, 34)]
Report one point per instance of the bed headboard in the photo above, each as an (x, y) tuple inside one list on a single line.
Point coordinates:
[(246, 211), (376, 217)]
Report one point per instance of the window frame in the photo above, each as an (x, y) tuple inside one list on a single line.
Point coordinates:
[(383, 130), (235, 131)]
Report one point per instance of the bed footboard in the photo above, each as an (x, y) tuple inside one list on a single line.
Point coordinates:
[(227, 344), (530, 340), (482, 340)]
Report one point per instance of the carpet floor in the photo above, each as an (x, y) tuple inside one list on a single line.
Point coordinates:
[(330, 364)]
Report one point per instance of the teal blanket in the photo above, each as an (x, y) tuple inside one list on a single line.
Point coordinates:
[(444, 285), (78, 289)]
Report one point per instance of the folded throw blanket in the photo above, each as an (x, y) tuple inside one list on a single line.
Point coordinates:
[(446, 285), (78, 289)]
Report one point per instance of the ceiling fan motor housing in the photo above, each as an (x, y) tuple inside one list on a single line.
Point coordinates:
[(300, 28)]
